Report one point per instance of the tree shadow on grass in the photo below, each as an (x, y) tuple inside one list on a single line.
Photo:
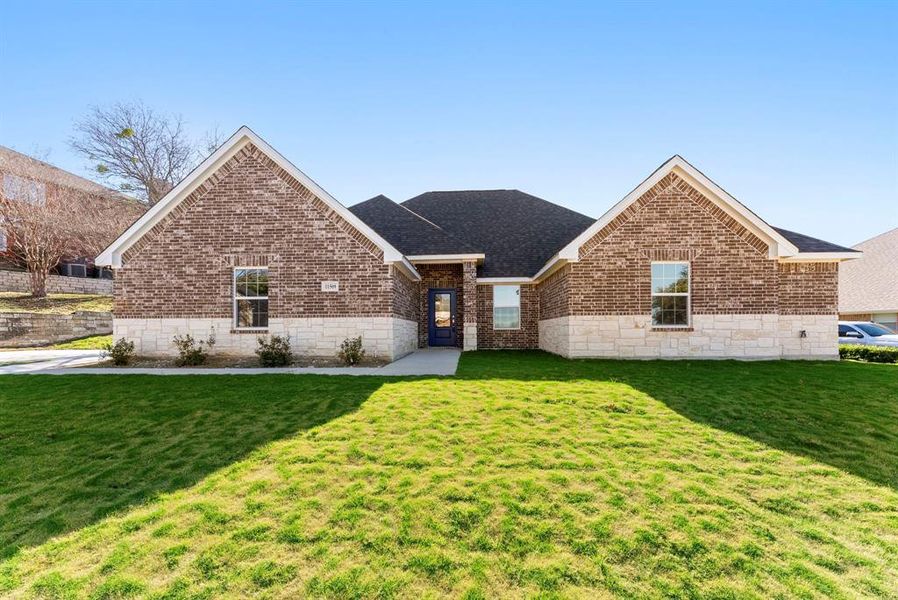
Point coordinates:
[(74, 449), (843, 414)]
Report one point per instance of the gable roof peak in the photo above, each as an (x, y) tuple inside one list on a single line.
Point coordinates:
[(112, 255)]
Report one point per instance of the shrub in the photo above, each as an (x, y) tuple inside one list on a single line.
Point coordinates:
[(877, 354), (274, 352), (191, 351), (351, 351), (120, 352)]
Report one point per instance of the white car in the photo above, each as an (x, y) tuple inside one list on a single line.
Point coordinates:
[(865, 332)]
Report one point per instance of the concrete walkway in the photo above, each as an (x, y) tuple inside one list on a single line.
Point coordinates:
[(430, 361)]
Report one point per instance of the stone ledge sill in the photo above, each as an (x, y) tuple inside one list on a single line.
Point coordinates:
[(250, 331), (672, 329)]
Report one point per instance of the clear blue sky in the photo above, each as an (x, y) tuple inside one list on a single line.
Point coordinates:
[(793, 108)]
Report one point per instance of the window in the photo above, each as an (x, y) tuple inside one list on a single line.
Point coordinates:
[(873, 330), (670, 294), (442, 309), (888, 320), (74, 269), (506, 307), (26, 190), (251, 298)]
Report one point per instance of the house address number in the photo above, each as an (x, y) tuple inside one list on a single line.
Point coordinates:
[(330, 286)]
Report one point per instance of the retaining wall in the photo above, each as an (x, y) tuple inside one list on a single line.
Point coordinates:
[(18, 281), (22, 330)]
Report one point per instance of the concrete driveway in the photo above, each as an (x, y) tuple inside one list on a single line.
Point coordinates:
[(34, 361)]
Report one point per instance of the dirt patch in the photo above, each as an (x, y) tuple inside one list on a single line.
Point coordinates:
[(247, 362)]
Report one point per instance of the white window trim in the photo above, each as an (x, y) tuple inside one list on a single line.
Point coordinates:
[(234, 299), (518, 328), (688, 293)]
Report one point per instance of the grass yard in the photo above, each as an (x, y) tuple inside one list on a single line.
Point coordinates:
[(525, 476), (54, 304), (94, 342)]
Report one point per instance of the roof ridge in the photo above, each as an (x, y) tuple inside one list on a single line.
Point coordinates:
[(399, 204), (465, 244), (472, 190), (554, 205), (446, 233)]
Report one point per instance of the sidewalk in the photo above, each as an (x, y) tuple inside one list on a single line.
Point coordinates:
[(429, 361)]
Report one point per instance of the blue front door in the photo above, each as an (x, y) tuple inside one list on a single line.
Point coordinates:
[(441, 317)]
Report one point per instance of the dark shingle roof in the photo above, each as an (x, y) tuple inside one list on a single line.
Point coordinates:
[(517, 232), (806, 243), (411, 234)]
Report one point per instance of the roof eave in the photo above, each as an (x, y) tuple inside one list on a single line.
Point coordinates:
[(424, 259), (822, 257)]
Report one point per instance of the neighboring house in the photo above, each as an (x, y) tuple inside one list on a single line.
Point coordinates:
[(868, 288), (249, 245), (27, 179)]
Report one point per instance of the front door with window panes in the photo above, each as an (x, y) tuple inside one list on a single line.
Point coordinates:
[(441, 317)]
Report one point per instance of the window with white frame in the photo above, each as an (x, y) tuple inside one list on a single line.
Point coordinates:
[(506, 307), (670, 294), (251, 298)]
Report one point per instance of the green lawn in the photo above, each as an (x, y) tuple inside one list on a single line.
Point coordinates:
[(55, 304), (525, 476), (94, 342)]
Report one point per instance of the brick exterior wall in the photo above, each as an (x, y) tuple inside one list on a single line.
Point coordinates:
[(730, 271), (405, 296), (441, 276), (555, 295), (808, 288), (525, 337), (857, 316), (252, 213)]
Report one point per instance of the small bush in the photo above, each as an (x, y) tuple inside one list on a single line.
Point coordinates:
[(877, 354), (274, 352), (120, 352), (351, 352), (193, 352)]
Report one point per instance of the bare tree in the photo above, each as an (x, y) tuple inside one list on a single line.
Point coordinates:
[(134, 148), (42, 227), (212, 140)]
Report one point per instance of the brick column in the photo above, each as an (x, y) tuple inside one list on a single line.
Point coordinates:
[(469, 279)]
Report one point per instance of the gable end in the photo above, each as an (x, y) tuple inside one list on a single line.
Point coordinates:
[(244, 143), (250, 150), (672, 180)]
